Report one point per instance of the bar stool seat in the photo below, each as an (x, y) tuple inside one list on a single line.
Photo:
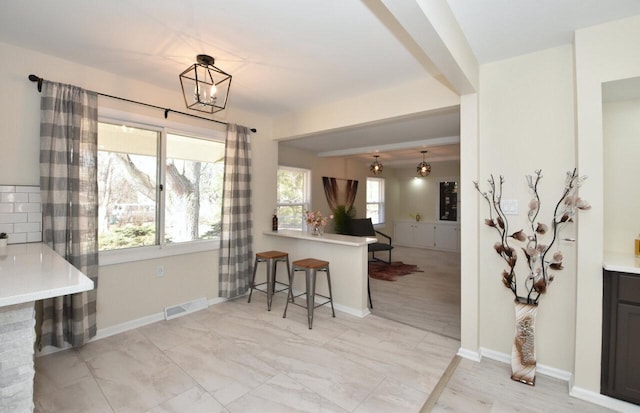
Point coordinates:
[(272, 258), (310, 266)]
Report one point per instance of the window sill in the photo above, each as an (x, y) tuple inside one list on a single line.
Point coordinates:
[(147, 253)]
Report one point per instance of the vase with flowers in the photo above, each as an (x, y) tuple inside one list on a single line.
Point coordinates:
[(539, 260), (315, 222)]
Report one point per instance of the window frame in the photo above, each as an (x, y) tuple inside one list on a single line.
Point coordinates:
[(164, 126), (307, 192), (381, 201)]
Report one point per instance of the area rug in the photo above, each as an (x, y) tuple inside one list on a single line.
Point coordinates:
[(390, 272)]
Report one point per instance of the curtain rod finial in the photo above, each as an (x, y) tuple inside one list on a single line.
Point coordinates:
[(35, 78)]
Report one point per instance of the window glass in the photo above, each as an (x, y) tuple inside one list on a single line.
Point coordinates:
[(194, 174), (293, 197), (127, 186), (134, 212), (375, 200)]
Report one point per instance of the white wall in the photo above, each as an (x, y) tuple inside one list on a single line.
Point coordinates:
[(527, 123), (407, 99), (602, 53), (128, 291), (420, 195), (404, 195), (621, 133)]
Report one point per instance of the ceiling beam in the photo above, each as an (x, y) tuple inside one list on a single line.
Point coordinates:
[(433, 27), (447, 140)]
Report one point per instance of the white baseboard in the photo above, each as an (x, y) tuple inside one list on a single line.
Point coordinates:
[(602, 400), (339, 307), (160, 316), (469, 354), (540, 368), (128, 325), (351, 311), (574, 391), (140, 322)]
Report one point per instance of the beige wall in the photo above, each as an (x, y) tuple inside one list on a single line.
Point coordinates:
[(602, 53), (339, 167), (420, 195), (404, 195), (403, 100), (621, 133), (126, 291), (527, 123)]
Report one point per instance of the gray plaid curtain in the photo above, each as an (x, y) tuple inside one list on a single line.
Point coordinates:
[(69, 190), (236, 254)]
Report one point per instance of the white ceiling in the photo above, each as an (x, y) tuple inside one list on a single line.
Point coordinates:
[(289, 55)]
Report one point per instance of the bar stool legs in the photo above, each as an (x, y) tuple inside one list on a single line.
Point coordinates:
[(310, 266), (272, 258)]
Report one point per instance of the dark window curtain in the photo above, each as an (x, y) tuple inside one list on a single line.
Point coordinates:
[(350, 193), (236, 240), (333, 195), (69, 191), (331, 191)]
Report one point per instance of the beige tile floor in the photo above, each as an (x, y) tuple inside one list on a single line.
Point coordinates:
[(238, 357), (485, 387)]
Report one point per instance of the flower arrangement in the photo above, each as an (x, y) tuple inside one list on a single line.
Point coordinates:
[(539, 259), (315, 219)]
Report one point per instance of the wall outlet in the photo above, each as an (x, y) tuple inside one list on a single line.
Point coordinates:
[(160, 271)]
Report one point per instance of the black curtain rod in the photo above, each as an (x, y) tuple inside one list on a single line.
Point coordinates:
[(39, 80)]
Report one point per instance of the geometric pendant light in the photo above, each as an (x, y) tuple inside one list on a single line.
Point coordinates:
[(376, 167), (205, 87), (424, 168)]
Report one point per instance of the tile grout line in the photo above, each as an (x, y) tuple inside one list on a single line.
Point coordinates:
[(441, 385)]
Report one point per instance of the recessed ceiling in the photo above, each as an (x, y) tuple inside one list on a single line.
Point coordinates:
[(398, 141)]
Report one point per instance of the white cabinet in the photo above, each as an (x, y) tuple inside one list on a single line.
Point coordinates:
[(413, 234), (440, 236), (446, 237)]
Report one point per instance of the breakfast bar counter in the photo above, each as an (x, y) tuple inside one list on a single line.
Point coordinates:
[(347, 258), (28, 272)]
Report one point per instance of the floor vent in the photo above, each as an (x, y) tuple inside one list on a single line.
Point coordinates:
[(185, 308)]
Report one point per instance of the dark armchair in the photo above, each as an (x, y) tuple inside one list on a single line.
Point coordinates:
[(363, 227)]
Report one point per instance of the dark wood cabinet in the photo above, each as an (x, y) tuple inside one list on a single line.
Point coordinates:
[(621, 336)]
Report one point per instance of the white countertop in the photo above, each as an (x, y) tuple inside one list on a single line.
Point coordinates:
[(327, 238), (617, 261), (30, 272)]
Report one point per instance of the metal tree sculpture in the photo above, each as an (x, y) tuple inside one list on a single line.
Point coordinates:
[(535, 252)]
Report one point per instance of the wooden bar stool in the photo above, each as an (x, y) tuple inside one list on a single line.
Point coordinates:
[(272, 258), (310, 266)]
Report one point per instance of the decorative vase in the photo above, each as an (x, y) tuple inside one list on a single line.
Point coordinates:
[(3, 242), (523, 353), (315, 230)]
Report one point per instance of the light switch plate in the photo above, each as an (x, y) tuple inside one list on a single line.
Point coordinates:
[(509, 206)]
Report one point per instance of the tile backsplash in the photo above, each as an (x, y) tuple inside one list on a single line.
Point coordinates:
[(21, 213)]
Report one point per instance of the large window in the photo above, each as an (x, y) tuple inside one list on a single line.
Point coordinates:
[(156, 188), (293, 197), (375, 200)]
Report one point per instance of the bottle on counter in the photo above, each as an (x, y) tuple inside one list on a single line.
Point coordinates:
[(274, 221), (637, 249)]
